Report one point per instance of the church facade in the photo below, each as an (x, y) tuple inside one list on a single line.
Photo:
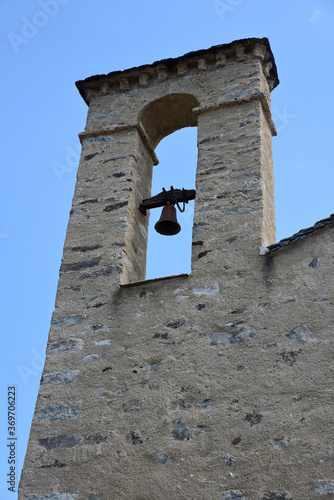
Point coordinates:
[(212, 385)]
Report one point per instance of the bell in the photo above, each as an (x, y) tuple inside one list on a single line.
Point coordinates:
[(167, 224)]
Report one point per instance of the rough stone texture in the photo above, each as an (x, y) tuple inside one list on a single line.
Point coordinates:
[(54, 496), (64, 377), (57, 412), (324, 488), (66, 441), (301, 333), (273, 495), (180, 431), (234, 495), (65, 346), (226, 372), (229, 338), (162, 458)]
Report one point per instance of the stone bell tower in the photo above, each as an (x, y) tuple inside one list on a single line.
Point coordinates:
[(212, 385)]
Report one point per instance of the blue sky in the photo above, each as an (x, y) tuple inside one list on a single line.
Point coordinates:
[(46, 45)]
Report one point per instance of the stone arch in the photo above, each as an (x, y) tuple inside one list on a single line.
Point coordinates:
[(161, 118), (167, 114)]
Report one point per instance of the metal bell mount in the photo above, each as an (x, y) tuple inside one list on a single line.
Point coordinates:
[(168, 225)]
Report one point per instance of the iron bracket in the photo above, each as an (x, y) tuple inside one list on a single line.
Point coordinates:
[(173, 196)]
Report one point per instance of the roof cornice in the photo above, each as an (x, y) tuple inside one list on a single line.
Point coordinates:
[(199, 61)]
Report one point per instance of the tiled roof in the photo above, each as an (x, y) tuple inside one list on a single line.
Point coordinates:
[(303, 233)]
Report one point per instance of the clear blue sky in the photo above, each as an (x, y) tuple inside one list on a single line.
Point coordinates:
[(46, 45)]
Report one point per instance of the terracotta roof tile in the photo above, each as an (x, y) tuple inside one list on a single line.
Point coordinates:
[(303, 233)]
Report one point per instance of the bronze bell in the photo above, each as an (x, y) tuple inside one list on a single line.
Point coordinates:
[(167, 224)]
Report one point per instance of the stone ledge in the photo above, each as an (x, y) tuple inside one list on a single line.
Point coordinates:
[(145, 282), (120, 128), (243, 95)]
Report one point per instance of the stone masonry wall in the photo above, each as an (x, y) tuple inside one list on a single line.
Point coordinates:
[(215, 385)]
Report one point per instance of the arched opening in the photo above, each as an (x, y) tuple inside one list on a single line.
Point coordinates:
[(164, 116), (171, 255), (171, 120)]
